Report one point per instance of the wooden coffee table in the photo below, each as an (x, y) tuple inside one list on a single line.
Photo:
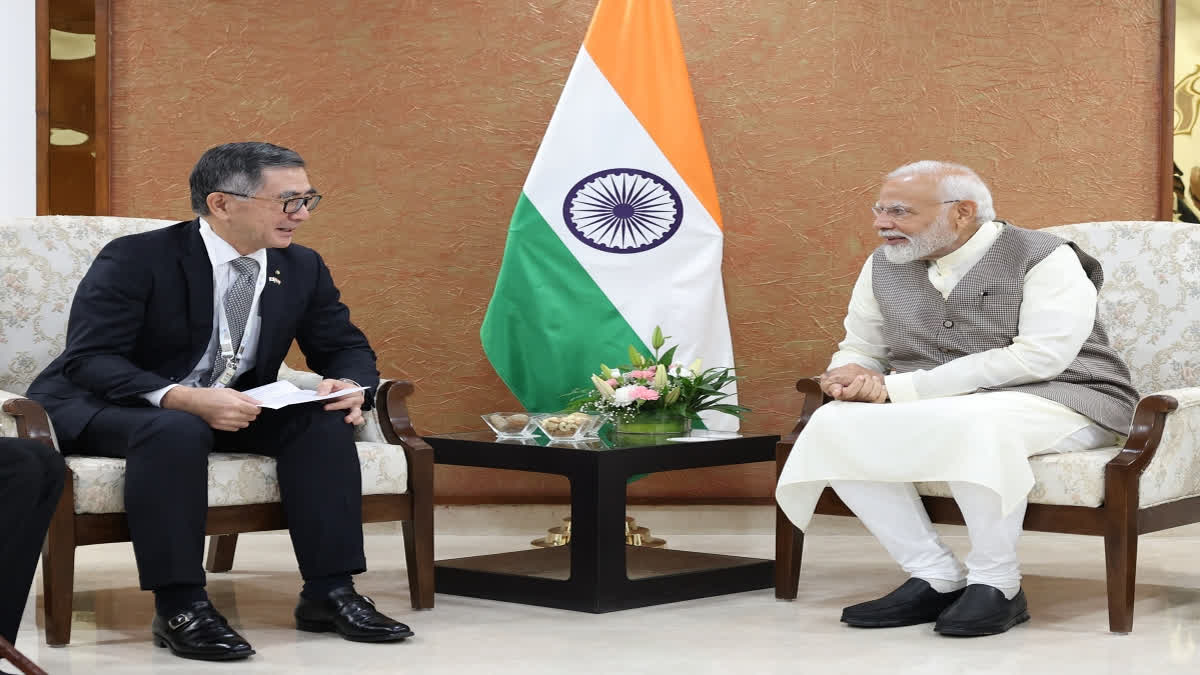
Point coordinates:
[(597, 572)]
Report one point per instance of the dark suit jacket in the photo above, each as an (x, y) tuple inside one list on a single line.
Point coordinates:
[(142, 318)]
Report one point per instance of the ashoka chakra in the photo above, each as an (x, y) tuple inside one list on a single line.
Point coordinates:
[(623, 210)]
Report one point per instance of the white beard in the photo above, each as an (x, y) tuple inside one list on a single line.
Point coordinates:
[(938, 236)]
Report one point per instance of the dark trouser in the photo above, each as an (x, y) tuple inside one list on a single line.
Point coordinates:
[(31, 481), (166, 485)]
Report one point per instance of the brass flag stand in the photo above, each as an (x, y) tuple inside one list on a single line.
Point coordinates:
[(634, 535)]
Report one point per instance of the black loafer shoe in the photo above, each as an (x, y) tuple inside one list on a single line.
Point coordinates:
[(200, 633), (914, 602), (982, 610), (352, 615)]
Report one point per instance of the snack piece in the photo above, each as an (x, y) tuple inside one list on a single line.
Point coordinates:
[(561, 426), (508, 423)]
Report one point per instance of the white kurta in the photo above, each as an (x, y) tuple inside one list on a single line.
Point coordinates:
[(937, 427)]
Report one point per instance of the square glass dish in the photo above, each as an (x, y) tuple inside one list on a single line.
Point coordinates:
[(569, 426), (510, 424)]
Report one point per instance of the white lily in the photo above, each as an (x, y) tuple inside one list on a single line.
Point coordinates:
[(603, 387)]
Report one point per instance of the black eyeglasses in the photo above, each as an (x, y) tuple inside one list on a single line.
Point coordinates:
[(290, 205)]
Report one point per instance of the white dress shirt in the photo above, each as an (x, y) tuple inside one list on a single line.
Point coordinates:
[(220, 254)]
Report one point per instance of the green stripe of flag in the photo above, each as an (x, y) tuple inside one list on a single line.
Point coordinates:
[(549, 326)]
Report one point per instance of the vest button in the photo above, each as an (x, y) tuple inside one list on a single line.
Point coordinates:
[(948, 323)]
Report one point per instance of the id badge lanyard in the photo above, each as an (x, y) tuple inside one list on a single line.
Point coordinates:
[(230, 358)]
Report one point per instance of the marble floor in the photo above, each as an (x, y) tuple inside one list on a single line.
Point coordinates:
[(743, 633)]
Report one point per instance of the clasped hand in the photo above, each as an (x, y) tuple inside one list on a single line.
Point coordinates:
[(853, 382)]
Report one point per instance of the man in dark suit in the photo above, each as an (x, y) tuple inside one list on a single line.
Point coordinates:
[(166, 330)]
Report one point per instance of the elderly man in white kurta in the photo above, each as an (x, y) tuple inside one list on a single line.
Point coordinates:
[(971, 345)]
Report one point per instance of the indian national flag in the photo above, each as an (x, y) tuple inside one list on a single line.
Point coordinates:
[(617, 229)]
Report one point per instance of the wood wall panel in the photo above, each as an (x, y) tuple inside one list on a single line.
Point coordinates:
[(420, 119)]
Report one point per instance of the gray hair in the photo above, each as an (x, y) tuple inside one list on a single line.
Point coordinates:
[(236, 168), (954, 181)]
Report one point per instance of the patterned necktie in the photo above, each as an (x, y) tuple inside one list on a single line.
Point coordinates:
[(238, 299)]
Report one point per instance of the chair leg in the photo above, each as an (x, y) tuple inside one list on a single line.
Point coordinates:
[(789, 550), (418, 557), (220, 552), (789, 541), (58, 570), (1120, 556)]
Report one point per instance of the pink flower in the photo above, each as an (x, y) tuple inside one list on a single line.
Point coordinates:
[(612, 382), (644, 393), (643, 374)]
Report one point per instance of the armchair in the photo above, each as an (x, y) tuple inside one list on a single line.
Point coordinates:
[(1151, 305), (42, 260)]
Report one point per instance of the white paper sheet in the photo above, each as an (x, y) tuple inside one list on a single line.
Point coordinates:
[(283, 393)]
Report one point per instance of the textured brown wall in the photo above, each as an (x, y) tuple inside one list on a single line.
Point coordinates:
[(420, 119)]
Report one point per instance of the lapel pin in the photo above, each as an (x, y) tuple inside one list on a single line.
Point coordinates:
[(274, 280)]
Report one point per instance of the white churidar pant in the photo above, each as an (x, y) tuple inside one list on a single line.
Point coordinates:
[(894, 514)]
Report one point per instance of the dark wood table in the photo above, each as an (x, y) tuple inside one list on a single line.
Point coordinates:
[(597, 572)]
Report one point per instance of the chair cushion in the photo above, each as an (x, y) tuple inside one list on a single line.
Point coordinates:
[(1068, 479), (1175, 471), (234, 479)]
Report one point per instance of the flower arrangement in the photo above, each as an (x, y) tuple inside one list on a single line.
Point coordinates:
[(656, 384)]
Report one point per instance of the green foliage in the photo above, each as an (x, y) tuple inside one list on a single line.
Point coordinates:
[(684, 393)]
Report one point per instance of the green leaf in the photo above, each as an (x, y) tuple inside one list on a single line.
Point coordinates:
[(667, 356)]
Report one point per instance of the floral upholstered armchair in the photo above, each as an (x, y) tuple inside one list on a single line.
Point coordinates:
[(1150, 304), (42, 260)]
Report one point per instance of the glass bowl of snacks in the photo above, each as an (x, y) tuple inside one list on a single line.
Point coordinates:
[(569, 426), (510, 424)]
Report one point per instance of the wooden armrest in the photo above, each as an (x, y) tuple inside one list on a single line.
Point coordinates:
[(1149, 421), (396, 424), (32, 420), (814, 398)]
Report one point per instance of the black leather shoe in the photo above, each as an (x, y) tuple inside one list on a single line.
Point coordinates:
[(914, 602), (200, 633), (982, 610), (352, 615)]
